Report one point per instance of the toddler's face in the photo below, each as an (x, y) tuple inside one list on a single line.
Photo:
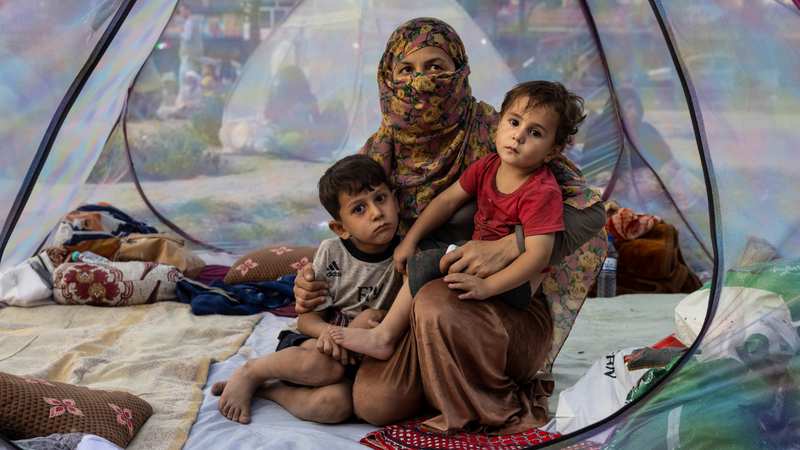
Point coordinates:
[(526, 139)]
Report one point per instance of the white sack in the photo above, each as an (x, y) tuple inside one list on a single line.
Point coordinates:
[(22, 286), (600, 392), (741, 312)]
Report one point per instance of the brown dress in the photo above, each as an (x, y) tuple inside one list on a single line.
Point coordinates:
[(473, 360)]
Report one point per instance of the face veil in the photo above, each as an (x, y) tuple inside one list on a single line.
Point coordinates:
[(432, 126)]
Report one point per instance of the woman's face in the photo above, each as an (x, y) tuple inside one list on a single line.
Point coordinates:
[(427, 60)]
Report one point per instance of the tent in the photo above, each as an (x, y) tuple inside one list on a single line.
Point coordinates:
[(693, 110)]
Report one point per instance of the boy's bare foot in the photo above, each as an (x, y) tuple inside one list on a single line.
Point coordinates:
[(237, 393), (367, 342), (218, 387)]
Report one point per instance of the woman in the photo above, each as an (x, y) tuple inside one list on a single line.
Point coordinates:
[(474, 361)]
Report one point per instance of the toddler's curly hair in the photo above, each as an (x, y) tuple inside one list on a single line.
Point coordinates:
[(555, 97)]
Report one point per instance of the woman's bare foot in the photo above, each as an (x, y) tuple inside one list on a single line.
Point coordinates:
[(237, 393), (372, 342)]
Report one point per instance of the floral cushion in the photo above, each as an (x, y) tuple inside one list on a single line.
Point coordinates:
[(268, 264), (567, 286), (32, 408), (114, 284)]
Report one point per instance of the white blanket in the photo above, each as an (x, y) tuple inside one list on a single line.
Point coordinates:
[(271, 426)]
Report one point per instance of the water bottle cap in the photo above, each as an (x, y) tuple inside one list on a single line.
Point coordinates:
[(75, 255)]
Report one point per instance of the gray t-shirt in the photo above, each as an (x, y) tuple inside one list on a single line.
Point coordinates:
[(357, 280)]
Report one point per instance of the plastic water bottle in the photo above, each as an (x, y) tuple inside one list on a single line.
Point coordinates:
[(607, 280), (89, 257)]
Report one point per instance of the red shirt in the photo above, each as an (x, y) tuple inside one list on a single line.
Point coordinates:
[(537, 204)]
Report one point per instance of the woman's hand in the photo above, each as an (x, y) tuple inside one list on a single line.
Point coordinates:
[(307, 292), (475, 288), (402, 252), (480, 258)]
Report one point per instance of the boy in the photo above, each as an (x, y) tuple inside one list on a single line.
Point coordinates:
[(514, 186), (359, 268)]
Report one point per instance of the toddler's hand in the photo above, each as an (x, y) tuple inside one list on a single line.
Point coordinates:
[(405, 250), (476, 288), (325, 344)]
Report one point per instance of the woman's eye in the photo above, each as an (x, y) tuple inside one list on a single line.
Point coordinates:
[(436, 68)]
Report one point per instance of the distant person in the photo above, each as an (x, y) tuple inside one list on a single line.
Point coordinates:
[(650, 162), (208, 85), (302, 131), (191, 49), (146, 96), (190, 98), (291, 104), (228, 69)]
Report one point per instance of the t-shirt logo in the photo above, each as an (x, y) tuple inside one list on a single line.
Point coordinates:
[(333, 270)]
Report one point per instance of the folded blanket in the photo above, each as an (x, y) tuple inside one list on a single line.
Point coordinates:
[(242, 299), (653, 263), (625, 225)]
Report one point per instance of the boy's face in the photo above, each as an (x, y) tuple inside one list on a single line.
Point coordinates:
[(369, 219), (526, 139)]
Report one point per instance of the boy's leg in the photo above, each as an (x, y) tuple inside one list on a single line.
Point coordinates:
[(302, 365), (323, 404), (379, 342)]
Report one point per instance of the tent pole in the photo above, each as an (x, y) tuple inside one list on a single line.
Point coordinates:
[(587, 15), (708, 169), (42, 153)]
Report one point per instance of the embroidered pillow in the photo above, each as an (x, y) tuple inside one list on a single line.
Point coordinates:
[(268, 264), (32, 408), (114, 284)]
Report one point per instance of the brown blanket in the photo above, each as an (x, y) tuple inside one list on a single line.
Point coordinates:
[(653, 264)]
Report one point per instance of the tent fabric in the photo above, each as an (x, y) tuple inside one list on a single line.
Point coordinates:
[(692, 111)]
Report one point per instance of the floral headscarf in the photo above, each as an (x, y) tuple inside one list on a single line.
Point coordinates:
[(432, 126)]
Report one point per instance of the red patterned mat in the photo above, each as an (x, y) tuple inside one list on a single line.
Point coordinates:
[(409, 435)]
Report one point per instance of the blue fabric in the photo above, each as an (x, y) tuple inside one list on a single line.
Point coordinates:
[(251, 297), (129, 226)]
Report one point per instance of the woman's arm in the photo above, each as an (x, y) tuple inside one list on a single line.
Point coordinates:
[(307, 292), (523, 269)]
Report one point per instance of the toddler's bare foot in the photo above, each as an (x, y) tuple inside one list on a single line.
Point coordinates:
[(367, 342), (237, 393)]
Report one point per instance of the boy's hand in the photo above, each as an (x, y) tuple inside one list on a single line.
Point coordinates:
[(476, 288), (325, 344), (401, 254)]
